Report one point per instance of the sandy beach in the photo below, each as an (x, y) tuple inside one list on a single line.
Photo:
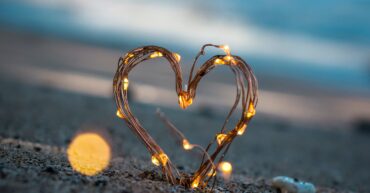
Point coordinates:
[(40, 117)]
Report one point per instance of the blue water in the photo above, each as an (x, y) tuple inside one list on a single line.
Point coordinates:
[(342, 21)]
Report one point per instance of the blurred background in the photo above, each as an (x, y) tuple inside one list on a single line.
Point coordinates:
[(311, 58)]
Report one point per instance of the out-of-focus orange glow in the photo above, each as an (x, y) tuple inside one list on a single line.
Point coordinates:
[(226, 168), (177, 56), (219, 62), (119, 114), (241, 129), (251, 111), (185, 100), (156, 54), (89, 154), (220, 138)]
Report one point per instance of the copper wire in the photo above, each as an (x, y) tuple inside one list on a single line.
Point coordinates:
[(246, 92)]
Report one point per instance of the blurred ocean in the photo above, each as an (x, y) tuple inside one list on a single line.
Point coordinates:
[(324, 43)]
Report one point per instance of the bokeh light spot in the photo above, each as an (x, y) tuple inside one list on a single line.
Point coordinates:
[(89, 153), (226, 168)]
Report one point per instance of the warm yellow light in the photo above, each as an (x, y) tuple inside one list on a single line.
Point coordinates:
[(226, 49), (89, 153), (156, 54), (229, 59), (177, 56), (226, 168), (185, 100), (212, 172), (195, 182), (251, 111), (164, 158), (241, 129), (119, 114), (155, 160), (125, 83), (158, 159), (220, 138), (186, 144), (219, 62), (128, 57)]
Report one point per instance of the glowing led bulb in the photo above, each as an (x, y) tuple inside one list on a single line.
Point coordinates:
[(125, 83), (128, 56), (177, 56), (185, 100), (230, 59), (226, 49), (195, 182), (156, 54), (219, 62), (119, 114), (158, 159), (226, 168), (212, 172), (164, 158), (155, 160), (251, 111), (241, 129), (220, 138), (186, 144)]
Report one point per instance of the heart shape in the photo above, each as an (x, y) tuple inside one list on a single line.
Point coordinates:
[(247, 93)]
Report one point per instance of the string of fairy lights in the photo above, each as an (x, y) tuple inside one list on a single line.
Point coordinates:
[(212, 161)]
